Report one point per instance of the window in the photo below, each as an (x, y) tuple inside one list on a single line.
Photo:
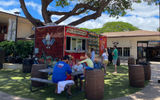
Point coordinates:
[(68, 43), (126, 51), (79, 45), (83, 44), (75, 44)]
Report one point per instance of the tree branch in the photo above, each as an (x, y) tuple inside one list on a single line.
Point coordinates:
[(34, 21), (68, 15), (46, 15), (92, 16), (95, 15), (74, 11)]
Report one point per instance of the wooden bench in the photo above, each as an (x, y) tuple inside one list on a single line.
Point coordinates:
[(47, 82)]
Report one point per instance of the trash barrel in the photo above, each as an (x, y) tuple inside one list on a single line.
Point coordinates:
[(136, 75), (147, 70), (118, 61), (27, 65), (131, 61), (94, 84), (37, 74), (2, 57)]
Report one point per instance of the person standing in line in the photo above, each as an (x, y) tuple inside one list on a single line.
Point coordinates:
[(105, 60), (92, 54), (110, 55), (115, 57)]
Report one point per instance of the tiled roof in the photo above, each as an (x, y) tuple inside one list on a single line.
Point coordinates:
[(138, 33)]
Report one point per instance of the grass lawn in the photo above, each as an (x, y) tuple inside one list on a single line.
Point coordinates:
[(17, 83)]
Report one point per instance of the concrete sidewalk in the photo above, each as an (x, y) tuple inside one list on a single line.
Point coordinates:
[(5, 96), (151, 91)]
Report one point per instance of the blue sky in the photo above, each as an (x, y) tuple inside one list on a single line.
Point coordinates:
[(143, 16)]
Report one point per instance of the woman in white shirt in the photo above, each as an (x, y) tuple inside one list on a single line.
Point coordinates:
[(92, 54), (105, 60)]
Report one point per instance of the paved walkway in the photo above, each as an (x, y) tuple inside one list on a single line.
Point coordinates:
[(151, 91), (5, 96)]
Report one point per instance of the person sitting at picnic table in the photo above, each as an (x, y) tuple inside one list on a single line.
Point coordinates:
[(88, 61), (60, 71), (78, 68), (97, 63)]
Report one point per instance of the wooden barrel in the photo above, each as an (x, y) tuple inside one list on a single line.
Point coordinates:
[(131, 61), (147, 71), (136, 75), (36, 73), (94, 84)]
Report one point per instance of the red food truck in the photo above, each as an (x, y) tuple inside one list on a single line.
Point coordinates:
[(57, 41)]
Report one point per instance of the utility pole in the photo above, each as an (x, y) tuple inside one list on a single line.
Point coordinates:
[(16, 13)]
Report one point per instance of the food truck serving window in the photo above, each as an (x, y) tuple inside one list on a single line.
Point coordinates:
[(75, 44)]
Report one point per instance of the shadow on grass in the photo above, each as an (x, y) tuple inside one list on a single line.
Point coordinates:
[(17, 83)]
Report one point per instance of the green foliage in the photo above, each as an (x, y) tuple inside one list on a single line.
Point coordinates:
[(62, 3), (22, 48), (118, 27), (8, 47), (113, 27)]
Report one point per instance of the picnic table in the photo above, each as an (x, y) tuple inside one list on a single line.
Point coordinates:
[(50, 70)]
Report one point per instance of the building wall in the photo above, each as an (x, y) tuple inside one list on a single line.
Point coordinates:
[(24, 29), (24, 26), (130, 42)]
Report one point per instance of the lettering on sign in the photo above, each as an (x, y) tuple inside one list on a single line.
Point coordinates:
[(74, 31)]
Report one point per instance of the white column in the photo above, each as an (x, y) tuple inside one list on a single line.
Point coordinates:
[(11, 30)]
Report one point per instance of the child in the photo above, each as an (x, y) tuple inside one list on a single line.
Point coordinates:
[(97, 63), (75, 68)]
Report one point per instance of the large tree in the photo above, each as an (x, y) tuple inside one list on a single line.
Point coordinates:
[(113, 27), (89, 9)]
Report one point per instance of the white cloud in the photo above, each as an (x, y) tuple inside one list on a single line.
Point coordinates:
[(147, 23), (35, 6), (55, 17), (8, 3), (142, 17), (11, 11), (144, 10)]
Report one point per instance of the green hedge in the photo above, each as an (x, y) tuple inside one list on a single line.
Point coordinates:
[(22, 48)]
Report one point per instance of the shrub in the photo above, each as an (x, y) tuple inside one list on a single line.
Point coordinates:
[(8, 47), (22, 48)]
